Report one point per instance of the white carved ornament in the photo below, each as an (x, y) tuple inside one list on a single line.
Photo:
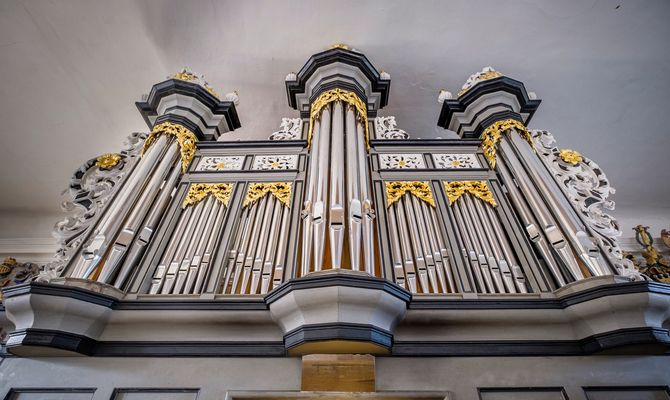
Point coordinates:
[(456, 161), (585, 184), (289, 129), (386, 128), (90, 189), (401, 161), (275, 162), (227, 163)]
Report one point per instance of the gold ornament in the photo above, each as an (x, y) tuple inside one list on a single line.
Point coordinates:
[(188, 76), (570, 156), (479, 189), (7, 266), (493, 133), (185, 138), (421, 190), (108, 161), (338, 95), (280, 190), (339, 46), (482, 76), (198, 191)]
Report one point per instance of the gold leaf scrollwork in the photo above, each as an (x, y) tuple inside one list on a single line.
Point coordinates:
[(493, 133), (280, 190), (395, 190), (482, 76), (479, 189), (108, 161), (199, 191), (570, 156), (336, 94), (185, 138)]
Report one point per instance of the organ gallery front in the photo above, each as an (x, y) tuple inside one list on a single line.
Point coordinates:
[(339, 258)]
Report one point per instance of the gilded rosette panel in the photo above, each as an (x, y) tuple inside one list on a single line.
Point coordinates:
[(570, 156), (479, 189), (256, 191), (421, 190), (199, 191)]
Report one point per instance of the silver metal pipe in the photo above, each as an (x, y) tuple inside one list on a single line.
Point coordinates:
[(198, 252), (513, 263), (278, 274), (353, 190), (443, 248), (420, 223), (564, 212), (258, 227), (406, 247), (177, 237), (203, 269), (549, 226), (396, 254), (268, 263), (434, 247), (495, 245), (249, 226), (478, 224), (90, 255), (144, 236), (475, 251), (336, 220), (307, 213), (368, 212), (419, 256), (181, 266), (527, 218), (319, 219), (261, 261), (161, 269)]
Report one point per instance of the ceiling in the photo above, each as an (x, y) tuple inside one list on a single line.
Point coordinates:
[(70, 72)]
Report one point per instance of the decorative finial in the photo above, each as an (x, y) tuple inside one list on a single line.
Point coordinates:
[(384, 75), (233, 96), (443, 96), (485, 74), (339, 46), (291, 76)]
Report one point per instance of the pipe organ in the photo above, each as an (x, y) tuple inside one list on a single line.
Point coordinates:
[(339, 239), (485, 213)]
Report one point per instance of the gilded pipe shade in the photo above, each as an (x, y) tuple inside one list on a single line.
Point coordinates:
[(479, 189), (199, 191), (338, 95), (280, 190), (419, 189), (185, 138), (492, 135)]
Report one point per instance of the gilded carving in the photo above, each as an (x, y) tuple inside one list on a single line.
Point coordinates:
[(189, 76), (108, 161), (275, 162), (455, 161), (479, 189), (401, 161), (185, 138), (421, 190), (199, 191), (655, 265), (485, 74), (338, 95), (226, 163), (570, 156), (256, 191), (493, 133)]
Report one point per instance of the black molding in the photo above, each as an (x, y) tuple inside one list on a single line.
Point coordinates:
[(425, 142), (597, 292), (326, 280), (338, 331), (175, 86), (344, 56), (586, 346), (503, 83), (251, 304), (252, 143), (90, 347)]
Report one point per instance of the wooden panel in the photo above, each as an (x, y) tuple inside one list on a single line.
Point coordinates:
[(338, 373)]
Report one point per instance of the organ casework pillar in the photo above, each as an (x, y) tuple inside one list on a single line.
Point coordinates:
[(496, 109), (180, 111), (337, 91)]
